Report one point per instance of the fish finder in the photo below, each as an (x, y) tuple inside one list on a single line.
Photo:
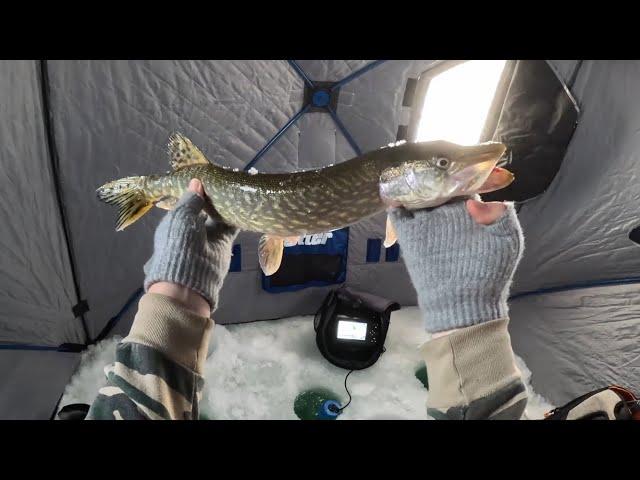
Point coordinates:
[(351, 327), (348, 330)]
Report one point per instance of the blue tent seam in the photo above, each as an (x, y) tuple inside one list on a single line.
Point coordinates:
[(341, 126)]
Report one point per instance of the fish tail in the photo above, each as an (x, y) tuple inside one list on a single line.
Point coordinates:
[(130, 196)]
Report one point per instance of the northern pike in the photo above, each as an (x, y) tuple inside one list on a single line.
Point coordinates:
[(283, 206)]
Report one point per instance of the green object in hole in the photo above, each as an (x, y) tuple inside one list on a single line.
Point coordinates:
[(421, 374), (308, 404)]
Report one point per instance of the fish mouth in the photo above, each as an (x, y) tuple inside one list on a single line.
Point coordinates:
[(479, 163)]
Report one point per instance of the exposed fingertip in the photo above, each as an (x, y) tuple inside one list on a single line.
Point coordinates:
[(469, 205), (474, 207), (488, 213), (195, 186)]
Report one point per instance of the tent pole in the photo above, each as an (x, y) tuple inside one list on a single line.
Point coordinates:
[(578, 286), (344, 130), (574, 75), (54, 162), (273, 140), (301, 73), (357, 73)]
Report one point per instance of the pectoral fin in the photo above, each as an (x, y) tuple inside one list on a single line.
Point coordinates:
[(270, 253), (390, 236), (167, 203)]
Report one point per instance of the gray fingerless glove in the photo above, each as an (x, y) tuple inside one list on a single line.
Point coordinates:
[(191, 249), (461, 270)]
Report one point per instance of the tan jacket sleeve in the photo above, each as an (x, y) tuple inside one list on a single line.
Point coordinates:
[(158, 369), (472, 374)]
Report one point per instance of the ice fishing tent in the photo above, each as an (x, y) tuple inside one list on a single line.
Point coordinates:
[(66, 127)]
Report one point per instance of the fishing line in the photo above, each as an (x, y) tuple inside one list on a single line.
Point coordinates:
[(348, 393), (505, 159)]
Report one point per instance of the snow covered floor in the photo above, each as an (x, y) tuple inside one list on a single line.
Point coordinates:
[(255, 371)]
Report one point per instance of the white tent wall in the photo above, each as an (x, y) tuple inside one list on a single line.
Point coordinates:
[(578, 230), (576, 233), (36, 283), (579, 340), (31, 382), (37, 293)]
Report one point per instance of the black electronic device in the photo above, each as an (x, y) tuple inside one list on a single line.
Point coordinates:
[(351, 327)]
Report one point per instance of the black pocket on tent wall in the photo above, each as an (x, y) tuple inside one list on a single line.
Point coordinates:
[(535, 116), (314, 261)]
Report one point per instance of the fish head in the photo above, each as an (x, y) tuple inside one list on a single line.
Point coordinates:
[(436, 172)]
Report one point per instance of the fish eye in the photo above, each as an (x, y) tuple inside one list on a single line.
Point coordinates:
[(442, 163)]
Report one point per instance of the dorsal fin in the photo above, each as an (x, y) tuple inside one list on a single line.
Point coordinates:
[(183, 153)]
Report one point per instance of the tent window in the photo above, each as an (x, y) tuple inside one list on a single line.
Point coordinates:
[(634, 235), (521, 103), (313, 261), (458, 101)]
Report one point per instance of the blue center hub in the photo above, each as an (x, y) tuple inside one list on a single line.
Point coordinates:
[(329, 410), (320, 98)]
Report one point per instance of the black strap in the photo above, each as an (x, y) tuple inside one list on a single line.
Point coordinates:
[(74, 411), (116, 318), (80, 308)]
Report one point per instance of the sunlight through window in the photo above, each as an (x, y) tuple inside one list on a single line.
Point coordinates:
[(458, 101)]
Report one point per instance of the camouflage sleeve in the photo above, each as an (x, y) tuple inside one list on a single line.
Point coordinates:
[(157, 373), (473, 375)]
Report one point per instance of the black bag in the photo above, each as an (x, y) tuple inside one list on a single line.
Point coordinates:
[(608, 403), (351, 327), (74, 411)]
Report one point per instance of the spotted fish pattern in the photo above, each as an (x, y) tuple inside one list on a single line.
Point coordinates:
[(281, 204)]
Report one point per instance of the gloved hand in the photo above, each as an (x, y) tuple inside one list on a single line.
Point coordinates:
[(190, 248), (461, 267)]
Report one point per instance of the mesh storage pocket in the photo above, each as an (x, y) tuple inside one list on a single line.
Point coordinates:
[(315, 261)]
